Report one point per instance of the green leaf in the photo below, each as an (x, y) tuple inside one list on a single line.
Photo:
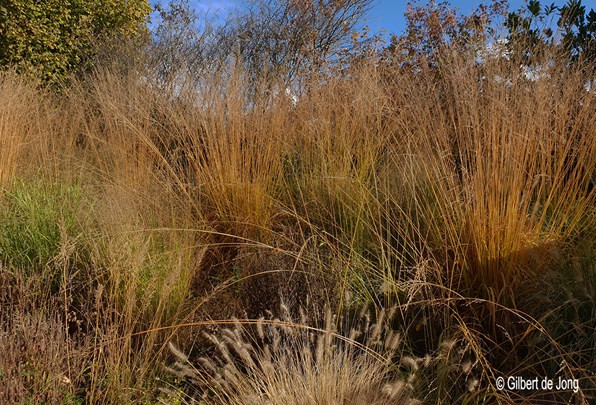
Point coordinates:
[(534, 7)]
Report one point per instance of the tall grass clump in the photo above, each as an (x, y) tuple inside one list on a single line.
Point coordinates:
[(496, 192), (503, 175), (21, 124)]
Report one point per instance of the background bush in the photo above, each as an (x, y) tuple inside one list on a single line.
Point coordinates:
[(51, 39)]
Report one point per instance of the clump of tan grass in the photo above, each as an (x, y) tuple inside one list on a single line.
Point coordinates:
[(502, 177), (283, 362), (21, 125)]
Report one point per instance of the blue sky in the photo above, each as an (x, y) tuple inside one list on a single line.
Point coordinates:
[(385, 14)]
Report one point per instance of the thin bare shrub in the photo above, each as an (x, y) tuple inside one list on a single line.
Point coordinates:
[(38, 361)]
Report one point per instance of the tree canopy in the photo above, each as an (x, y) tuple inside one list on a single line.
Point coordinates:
[(569, 29)]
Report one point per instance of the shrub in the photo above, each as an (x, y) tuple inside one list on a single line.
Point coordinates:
[(53, 38)]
